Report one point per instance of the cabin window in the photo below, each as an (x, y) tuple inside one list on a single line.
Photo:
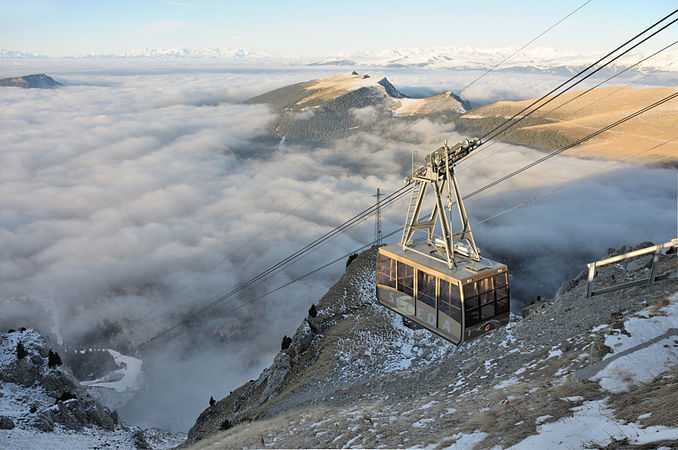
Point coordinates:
[(485, 285), (449, 302), (487, 311), (470, 296), (500, 280), (426, 288), (472, 317), (486, 298), (405, 279), (502, 306), (386, 267)]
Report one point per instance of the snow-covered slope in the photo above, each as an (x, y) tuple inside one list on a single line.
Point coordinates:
[(354, 376), (466, 57)]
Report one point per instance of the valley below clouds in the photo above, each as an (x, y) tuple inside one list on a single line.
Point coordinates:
[(126, 197)]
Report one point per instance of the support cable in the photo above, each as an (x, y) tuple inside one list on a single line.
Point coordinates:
[(492, 134), (397, 194), (398, 134)]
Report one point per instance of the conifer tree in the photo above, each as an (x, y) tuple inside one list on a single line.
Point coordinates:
[(53, 359), (286, 341), (21, 352), (313, 312)]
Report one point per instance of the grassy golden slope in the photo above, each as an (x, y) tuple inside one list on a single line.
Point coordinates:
[(599, 108)]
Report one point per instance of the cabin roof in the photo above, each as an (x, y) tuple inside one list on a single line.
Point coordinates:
[(466, 269)]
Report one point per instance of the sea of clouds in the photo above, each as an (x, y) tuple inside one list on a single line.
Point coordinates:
[(127, 195)]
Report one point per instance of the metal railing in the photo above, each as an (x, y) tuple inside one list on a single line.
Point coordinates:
[(653, 272)]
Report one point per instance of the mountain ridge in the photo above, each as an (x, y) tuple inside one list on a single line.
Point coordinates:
[(448, 57), (34, 81), (328, 108)]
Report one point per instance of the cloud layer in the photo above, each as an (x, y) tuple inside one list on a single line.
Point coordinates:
[(125, 195)]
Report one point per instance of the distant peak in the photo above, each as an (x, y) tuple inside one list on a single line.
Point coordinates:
[(39, 80), (390, 89)]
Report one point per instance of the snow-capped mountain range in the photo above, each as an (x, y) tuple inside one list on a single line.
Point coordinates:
[(463, 57)]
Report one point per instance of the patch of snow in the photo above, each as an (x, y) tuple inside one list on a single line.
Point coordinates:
[(641, 366), (562, 371), (505, 383), (643, 329), (428, 405), (599, 327), (576, 398), (421, 423), (593, 422), (647, 361), (541, 419), (554, 354), (464, 440), (644, 416)]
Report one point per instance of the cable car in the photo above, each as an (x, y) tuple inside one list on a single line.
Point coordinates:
[(440, 281)]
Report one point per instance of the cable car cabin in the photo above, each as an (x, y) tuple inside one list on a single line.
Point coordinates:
[(441, 282), (459, 304)]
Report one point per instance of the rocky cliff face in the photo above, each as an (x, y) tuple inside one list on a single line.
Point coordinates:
[(59, 398), (356, 376), (42, 405)]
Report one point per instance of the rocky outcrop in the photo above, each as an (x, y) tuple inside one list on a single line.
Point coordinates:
[(275, 375), (62, 399), (303, 338)]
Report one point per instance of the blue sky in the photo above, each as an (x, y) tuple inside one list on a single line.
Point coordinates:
[(61, 28)]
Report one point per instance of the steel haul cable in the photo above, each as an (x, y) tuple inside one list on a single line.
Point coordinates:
[(597, 101), (398, 230), (407, 188), (485, 137), (409, 126), (626, 51), (584, 70)]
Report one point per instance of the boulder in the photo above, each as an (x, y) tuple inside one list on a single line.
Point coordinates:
[(44, 421), (56, 382), (640, 263), (139, 440), (6, 423), (303, 338)]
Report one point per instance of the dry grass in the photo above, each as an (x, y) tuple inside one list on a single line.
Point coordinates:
[(601, 107), (660, 398), (513, 418)]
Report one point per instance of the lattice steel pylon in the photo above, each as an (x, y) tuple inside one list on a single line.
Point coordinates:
[(377, 221)]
